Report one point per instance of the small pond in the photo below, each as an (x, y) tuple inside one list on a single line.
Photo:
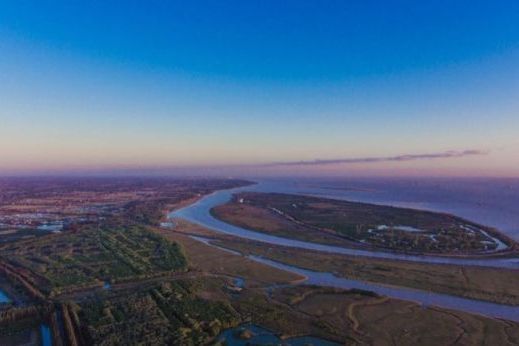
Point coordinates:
[(46, 336), (251, 334), (239, 282), (4, 298)]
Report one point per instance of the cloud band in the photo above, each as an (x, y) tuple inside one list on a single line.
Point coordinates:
[(397, 158)]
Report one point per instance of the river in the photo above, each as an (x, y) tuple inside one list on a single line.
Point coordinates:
[(199, 213)]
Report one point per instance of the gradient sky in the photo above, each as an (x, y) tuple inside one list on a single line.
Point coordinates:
[(234, 86)]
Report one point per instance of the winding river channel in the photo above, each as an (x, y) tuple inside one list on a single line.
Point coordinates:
[(199, 213)]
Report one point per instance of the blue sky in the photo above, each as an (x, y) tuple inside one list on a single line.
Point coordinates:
[(107, 85)]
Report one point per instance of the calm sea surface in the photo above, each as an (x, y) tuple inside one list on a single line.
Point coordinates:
[(492, 202)]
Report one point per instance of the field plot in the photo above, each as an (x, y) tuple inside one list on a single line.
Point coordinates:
[(171, 313), (88, 258)]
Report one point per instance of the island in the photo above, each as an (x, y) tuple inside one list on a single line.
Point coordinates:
[(354, 224)]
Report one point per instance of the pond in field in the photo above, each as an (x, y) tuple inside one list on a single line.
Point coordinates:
[(239, 282), (33, 335), (51, 227), (4, 298), (46, 337), (250, 334)]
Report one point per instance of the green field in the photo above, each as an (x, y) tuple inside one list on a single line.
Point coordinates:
[(171, 313), (85, 258)]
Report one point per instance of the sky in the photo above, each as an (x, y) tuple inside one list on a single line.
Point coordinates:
[(260, 87)]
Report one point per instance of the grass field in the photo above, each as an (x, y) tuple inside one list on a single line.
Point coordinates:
[(491, 284)]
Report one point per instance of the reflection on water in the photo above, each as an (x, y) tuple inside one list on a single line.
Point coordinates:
[(46, 337), (239, 282), (4, 298), (250, 334), (51, 227)]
